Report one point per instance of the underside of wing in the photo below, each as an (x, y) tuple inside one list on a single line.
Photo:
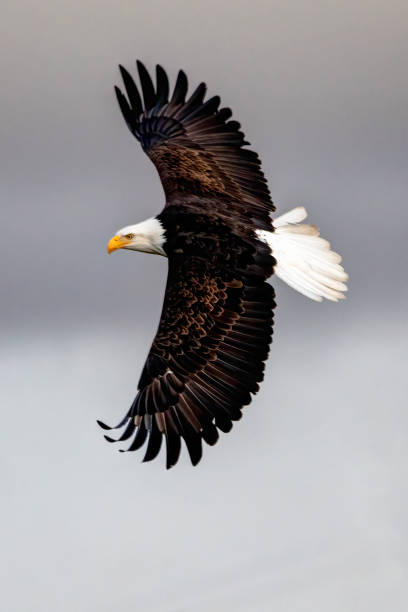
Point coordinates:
[(199, 152), (205, 362)]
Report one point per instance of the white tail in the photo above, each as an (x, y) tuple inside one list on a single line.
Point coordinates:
[(304, 260)]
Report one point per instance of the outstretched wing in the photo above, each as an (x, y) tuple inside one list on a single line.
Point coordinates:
[(199, 153), (208, 354)]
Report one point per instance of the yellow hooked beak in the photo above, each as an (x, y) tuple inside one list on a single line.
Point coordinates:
[(117, 242)]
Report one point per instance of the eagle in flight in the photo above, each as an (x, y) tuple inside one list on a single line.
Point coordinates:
[(216, 230)]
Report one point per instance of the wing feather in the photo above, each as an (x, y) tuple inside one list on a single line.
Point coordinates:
[(148, 91), (132, 93), (163, 88)]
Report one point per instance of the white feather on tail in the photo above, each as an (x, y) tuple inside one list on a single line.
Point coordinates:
[(304, 260)]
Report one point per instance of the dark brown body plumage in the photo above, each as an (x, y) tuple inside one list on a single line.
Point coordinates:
[(216, 326)]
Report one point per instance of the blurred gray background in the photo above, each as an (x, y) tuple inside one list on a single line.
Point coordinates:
[(303, 507)]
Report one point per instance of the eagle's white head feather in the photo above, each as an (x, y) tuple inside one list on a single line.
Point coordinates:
[(147, 236)]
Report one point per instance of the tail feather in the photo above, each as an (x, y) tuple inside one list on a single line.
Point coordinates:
[(304, 259), (296, 215)]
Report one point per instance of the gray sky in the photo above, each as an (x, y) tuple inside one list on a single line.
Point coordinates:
[(303, 506)]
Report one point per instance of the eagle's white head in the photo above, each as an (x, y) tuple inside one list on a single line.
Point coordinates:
[(147, 236)]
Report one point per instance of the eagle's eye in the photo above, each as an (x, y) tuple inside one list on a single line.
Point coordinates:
[(129, 236)]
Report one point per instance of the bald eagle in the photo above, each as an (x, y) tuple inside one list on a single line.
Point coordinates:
[(216, 230)]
